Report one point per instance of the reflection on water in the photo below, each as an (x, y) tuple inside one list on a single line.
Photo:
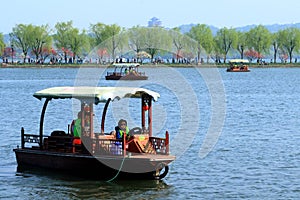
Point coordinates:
[(60, 185)]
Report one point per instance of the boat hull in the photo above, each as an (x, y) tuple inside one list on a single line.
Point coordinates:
[(94, 167), (128, 77), (230, 70)]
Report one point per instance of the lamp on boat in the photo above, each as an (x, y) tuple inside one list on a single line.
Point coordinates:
[(145, 106)]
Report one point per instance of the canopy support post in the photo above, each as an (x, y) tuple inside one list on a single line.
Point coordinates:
[(42, 122), (104, 114), (147, 108), (150, 117)]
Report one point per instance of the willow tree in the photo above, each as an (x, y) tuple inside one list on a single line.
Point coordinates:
[(20, 38), (259, 39), (2, 44), (39, 38), (156, 40), (78, 42), (97, 31), (203, 36), (217, 54), (136, 38), (289, 40), (62, 37), (241, 43), (275, 41), (226, 39), (112, 38), (70, 40), (180, 42)]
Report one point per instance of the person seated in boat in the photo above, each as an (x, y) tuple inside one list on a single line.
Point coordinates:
[(132, 71), (126, 71), (121, 129), (76, 126)]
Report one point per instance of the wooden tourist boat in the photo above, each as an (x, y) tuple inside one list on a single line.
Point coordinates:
[(238, 65), (99, 154), (126, 71)]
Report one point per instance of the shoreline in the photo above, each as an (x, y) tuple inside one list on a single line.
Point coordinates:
[(278, 65)]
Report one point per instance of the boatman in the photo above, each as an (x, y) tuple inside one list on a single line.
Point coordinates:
[(76, 126)]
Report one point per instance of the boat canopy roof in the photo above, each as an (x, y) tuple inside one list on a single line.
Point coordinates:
[(100, 94), (125, 65), (238, 61)]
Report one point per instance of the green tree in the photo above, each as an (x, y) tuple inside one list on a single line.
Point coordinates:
[(78, 42), (216, 53), (123, 46), (180, 42), (2, 44), (62, 37), (20, 38), (39, 39), (259, 39), (203, 35), (289, 40), (226, 39), (70, 40), (97, 31), (136, 38), (275, 41), (111, 38), (157, 39), (241, 43)]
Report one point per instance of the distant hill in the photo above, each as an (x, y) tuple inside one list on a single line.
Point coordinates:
[(272, 28), (187, 27)]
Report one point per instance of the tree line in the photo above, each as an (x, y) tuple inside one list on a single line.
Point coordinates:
[(67, 42)]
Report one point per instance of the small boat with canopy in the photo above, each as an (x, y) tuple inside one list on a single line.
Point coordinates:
[(126, 71), (238, 65), (97, 153)]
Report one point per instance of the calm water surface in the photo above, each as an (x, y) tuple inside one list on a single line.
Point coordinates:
[(257, 155)]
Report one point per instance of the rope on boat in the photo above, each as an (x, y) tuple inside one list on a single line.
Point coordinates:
[(110, 180)]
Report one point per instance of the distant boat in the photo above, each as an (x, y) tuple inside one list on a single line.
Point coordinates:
[(238, 65), (97, 154), (126, 71)]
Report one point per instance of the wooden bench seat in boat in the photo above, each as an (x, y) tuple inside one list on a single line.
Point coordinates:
[(140, 144)]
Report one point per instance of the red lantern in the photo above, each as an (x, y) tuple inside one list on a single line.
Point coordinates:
[(145, 107)]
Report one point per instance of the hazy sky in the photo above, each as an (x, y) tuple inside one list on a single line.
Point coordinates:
[(128, 13)]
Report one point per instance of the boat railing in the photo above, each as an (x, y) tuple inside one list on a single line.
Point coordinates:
[(123, 73), (112, 146), (107, 146), (160, 145), (29, 138), (115, 74), (101, 145)]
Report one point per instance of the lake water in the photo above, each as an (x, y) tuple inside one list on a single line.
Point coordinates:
[(256, 155)]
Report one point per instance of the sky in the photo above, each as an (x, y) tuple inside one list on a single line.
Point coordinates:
[(129, 13)]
